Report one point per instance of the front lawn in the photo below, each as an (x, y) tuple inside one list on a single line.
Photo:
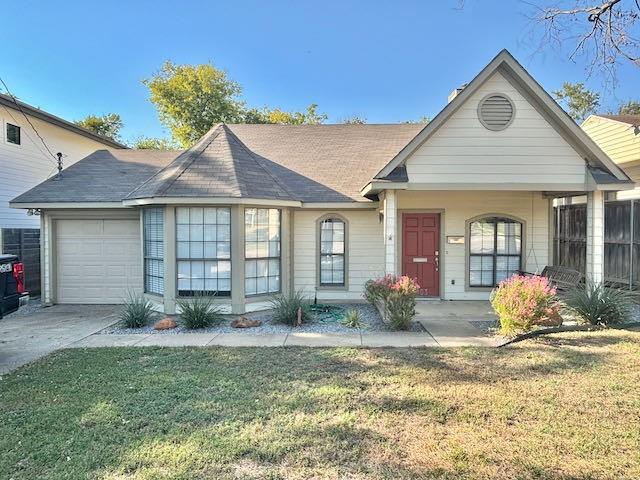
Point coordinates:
[(562, 407)]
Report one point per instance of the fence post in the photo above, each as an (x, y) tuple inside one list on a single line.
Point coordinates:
[(631, 239)]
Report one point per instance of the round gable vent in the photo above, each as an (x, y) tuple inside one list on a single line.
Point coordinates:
[(496, 111)]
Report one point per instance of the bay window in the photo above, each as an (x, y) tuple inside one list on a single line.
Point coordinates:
[(262, 250), (203, 250), (495, 250)]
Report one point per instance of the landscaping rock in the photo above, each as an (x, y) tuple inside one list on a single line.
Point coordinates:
[(165, 324), (244, 322), (552, 319)]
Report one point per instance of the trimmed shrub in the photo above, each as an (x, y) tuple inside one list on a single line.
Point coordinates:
[(598, 304), (353, 319), (136, 311), (285, 308), (521, 301), (199, 312), (398, 297)]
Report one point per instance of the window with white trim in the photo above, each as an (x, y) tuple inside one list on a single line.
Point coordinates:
[(495, 250), (262, 250), (203, 251), (153, 231), (332, 248)]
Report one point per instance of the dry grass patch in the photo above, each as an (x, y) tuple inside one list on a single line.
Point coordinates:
[(562, 407)]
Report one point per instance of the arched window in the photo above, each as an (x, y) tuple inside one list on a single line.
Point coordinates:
[(332, 252), (495, 250)]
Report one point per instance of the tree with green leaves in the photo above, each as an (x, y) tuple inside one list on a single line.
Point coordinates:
[(192, 98), (276, 115), (424, 119), (150, 143), (108, 125), (353, 120), (631, 107), (578, 101)]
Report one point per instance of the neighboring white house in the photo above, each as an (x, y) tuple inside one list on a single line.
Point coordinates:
[(26, 162), (619, 137), (251, 211)]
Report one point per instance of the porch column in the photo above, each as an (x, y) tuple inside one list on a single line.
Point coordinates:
[(389, 211), (594, 270), (169, 260), (237, 259)]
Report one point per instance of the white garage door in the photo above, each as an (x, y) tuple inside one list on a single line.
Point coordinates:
[(98, 261)]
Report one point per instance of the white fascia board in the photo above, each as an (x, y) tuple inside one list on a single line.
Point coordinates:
[(210, 201), (63, 205)]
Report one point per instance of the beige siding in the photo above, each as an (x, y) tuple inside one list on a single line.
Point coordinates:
[(616, 139), (26, 165), (459, 207), (528, 152), (365, 252), (621, 143)]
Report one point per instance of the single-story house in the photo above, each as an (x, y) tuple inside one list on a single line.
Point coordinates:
[(30, 139), (252, 211)]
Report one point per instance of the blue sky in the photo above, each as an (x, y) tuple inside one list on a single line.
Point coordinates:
[(385, 61)]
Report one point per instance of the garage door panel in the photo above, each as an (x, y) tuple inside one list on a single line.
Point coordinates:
[(118, 228), (81, 228), (99, 261)]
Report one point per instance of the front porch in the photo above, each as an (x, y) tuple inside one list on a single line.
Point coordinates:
[(460, 244)]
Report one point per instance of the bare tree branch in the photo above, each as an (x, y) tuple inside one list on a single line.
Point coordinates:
[(606, 33)]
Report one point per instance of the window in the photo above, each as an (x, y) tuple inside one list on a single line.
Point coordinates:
[(203, 251), (332, 248), (261, 251), (153, 221), (495, 246), (13, 134)]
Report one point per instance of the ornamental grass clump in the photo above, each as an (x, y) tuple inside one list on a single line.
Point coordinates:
[(397, 294), (353, 319), (286, 308), (521, 302), (199, 312), (136, 311)]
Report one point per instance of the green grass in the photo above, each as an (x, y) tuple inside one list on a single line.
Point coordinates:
[(561, 407)]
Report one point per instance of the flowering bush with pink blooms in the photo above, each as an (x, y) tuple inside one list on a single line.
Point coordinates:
[(397, 296), (522, 301)]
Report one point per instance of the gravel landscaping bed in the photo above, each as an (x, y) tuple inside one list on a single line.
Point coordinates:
[(322, 322), (30, 308)]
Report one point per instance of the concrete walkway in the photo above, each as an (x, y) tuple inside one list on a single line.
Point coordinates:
[(449, 322), (24, 338), (247, 339)]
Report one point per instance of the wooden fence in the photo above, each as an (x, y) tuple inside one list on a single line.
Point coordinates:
[(25, 242), (622, 242)]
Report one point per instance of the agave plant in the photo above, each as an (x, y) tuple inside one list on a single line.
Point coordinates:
[(599, 304)]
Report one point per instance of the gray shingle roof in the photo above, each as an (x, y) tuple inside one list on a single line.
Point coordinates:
[(630, 119), (326, 163), (219, 165), (103, 176), (310, 163)]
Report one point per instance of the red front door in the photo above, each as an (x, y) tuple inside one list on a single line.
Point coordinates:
[(420, 250)]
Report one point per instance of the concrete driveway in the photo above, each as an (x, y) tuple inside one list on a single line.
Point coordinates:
[(27, 337)]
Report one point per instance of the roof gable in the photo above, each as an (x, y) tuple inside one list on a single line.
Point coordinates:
[(536, 95)]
